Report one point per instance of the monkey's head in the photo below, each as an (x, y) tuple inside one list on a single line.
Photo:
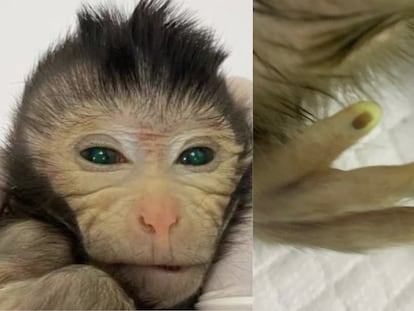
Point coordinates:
[(130, 122)]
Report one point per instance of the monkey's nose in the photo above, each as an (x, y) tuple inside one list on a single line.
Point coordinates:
[(158, 221), (159, 227)]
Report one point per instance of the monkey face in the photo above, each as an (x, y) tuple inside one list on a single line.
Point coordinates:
[(149, 190), (129, 125)]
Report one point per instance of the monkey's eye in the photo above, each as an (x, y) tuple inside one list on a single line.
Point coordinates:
[(103, 156), (196, 156)]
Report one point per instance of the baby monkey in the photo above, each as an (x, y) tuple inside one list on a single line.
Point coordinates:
[(127, 167), (311, 56)]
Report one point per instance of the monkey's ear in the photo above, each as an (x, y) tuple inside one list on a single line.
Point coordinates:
[(242, 91)]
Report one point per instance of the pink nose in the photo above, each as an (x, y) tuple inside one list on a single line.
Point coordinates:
[(158, 215)]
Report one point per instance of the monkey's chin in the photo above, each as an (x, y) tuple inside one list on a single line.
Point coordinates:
[(163, 286)]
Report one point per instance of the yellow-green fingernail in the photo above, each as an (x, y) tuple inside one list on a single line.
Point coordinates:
[(367, 114)]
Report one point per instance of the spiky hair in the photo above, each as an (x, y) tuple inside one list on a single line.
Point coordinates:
[(155, 45)]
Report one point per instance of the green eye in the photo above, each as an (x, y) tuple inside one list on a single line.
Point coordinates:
[(196, 156), (103, 156)]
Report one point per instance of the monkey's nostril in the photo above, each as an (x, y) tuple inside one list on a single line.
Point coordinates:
[(158, 220), (147, 227)]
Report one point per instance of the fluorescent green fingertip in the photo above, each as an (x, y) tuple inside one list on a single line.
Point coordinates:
[(366, 114)]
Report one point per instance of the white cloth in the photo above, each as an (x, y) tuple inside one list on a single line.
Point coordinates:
[(229, 286)]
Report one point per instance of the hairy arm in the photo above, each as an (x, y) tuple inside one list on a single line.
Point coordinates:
[(75, 287), (37, 271)]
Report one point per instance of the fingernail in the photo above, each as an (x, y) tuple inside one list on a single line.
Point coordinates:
[(362, 120)]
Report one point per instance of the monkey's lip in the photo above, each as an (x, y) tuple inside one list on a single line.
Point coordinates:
[(170, 268), (178, 267)]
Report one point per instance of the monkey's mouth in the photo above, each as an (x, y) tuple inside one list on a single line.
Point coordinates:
[(169, 268)]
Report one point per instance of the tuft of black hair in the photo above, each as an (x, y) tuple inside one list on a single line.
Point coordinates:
[(154, 45)]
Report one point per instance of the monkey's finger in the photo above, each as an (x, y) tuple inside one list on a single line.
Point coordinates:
[(352, 233), (328, 138), (322, 142), (317, 146), (334, 193)]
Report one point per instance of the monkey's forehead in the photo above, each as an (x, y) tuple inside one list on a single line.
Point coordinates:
[(55, 106), (158, 115)]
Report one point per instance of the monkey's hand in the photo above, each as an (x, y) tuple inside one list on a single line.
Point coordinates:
[(299, 198), (75, 287), (37, 272)]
